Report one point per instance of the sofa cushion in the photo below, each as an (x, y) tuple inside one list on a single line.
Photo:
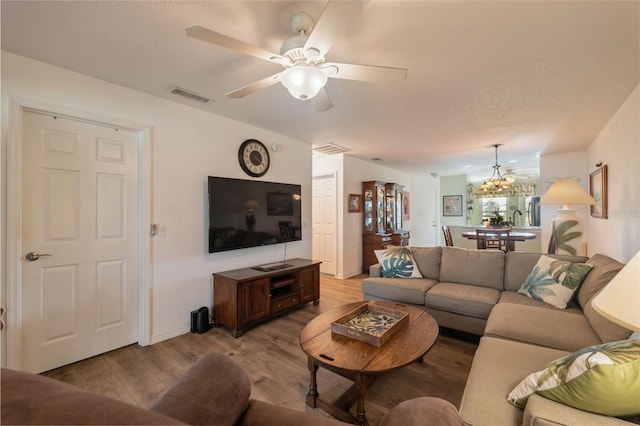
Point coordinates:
[(397, 289), (521, 299), (559, 329), (601, 379), (554, 281), (397, 262), (464, 299), (518, 266), (476, 267), (608, 331), (498, 365), (428, 261), (604, 269)]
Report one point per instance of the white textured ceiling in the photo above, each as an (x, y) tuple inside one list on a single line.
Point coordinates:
[(537, 76)]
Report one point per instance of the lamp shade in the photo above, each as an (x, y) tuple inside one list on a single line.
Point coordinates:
[(566, 191), (302, 81), (619, 301), (251, 205)]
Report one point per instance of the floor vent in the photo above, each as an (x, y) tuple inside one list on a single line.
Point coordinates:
[(329, 148), (189, 94)]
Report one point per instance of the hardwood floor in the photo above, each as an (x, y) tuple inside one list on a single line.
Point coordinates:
[(270, 354)]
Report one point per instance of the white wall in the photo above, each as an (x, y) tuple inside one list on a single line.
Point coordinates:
[(618, 146), (187, 146), (351, 172)]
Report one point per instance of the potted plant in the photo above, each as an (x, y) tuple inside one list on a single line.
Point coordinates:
[(497, 221)]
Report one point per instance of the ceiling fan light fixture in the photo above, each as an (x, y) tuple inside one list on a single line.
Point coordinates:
[(303, 81)]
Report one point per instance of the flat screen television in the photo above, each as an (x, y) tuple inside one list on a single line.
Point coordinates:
[(249, 213)]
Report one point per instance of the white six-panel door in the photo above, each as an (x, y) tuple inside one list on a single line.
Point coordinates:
[(324, 228), (80, 206)]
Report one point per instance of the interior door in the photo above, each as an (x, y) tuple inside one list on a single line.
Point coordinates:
[(79, 240), (324, 228), (424, 216)]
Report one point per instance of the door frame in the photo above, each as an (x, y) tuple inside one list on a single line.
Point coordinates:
[(15, 107), (337, 227)]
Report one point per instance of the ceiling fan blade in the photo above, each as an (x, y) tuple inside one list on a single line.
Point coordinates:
[(209, 36), (333, 23), (255, 86), (321, 101), (365, 72)]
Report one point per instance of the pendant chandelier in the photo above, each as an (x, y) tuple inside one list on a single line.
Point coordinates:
[(496, 182)]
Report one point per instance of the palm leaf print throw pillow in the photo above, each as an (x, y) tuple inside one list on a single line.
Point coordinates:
[(397, 262), (602, 379), (554, 281)]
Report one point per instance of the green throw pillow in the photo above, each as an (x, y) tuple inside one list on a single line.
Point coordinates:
[(602, 379), (554, 281), (397, 262)]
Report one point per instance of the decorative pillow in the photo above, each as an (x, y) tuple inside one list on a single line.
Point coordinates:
[(602, 379), (554, 281), (397, 262)]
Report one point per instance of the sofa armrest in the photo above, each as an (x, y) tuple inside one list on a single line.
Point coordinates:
[(375, 270), (215, 391), (424, 410), (37, 400), (543, 411)]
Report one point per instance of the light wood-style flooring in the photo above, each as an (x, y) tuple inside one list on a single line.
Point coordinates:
[(270, 354)]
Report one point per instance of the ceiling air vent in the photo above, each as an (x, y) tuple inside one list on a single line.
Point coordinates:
[(329, 148), (189, 94)]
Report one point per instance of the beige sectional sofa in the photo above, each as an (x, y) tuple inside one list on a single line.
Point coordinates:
[(475, 291)]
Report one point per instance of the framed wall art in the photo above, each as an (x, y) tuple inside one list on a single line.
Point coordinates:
[(452, 205), (406, 203), (355, 203), (598, 190)]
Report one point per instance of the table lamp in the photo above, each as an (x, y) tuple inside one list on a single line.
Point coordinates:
[(619, 301), (566, 227)]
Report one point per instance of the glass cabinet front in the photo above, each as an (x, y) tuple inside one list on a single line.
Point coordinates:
[(368, 209), (380, 210)]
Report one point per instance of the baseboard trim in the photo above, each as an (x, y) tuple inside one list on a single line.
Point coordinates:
[(157, 338)]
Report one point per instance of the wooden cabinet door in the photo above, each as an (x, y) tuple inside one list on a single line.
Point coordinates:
[(256, 300), (309, 282)]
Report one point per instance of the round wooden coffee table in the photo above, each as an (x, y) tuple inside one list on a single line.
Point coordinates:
[(359, 361)]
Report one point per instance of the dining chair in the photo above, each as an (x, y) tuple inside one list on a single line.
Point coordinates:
[(447, 236), (492, 239), (552, 245)]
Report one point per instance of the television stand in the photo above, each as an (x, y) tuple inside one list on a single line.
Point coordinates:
[(272, 266), (246, 297)]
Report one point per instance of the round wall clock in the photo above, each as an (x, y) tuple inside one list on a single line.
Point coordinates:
[(254, 158)]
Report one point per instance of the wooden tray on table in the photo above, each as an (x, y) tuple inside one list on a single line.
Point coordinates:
[(371, 324)]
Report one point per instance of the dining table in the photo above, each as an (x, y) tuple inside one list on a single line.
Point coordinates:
[(513, 237)]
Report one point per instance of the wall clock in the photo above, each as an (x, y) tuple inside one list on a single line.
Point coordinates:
[(254, 158)]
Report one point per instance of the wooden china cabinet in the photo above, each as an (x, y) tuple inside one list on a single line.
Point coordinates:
[(382, 219), (374, 235)]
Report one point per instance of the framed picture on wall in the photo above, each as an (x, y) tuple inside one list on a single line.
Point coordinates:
[(452, 205), (355, 203), (406, 203), (598, 190)]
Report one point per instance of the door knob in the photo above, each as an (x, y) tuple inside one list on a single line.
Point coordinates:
[(34, 255)]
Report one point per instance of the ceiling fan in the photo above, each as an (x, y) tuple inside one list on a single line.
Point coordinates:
[(303, 56)]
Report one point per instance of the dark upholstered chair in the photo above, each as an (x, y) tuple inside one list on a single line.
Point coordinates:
[(214, 391)]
